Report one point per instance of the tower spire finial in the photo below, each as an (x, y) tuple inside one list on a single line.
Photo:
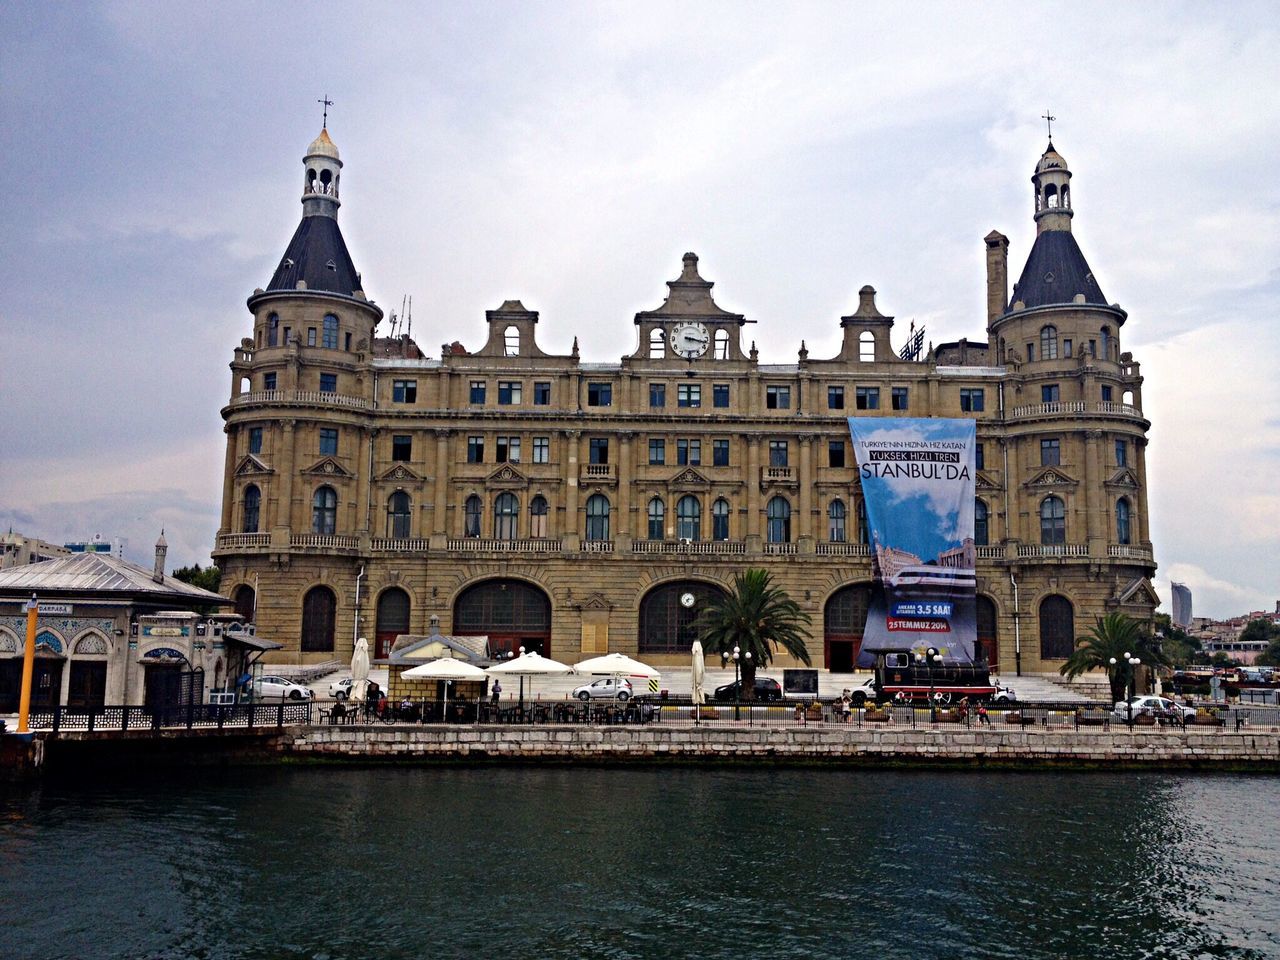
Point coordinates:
[(327, 104), (1048, 118)]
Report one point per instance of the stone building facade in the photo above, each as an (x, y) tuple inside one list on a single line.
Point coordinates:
[(554, 503)]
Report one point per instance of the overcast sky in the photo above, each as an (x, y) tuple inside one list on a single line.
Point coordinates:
[(567, 155)]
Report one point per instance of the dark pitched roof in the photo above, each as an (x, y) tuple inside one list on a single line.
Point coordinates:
[(1056, 271), (103, 576), (316, 244)]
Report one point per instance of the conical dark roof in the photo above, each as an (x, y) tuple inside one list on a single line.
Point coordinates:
[(1055, 273), (317, 254)]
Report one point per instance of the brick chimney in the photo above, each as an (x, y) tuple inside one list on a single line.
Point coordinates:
[(997, 275)]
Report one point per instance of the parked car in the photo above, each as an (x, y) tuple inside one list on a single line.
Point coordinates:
[(605, 689), (340, 689), (265, 688), (1161, 708), (767, 689)]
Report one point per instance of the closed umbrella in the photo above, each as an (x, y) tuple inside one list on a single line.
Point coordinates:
[(359, 670), (699, 672), (446, 669)]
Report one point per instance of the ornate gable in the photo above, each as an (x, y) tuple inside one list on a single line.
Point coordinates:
[(1138, 591), (399, 471), (1124, 477), (506, 477), (690, 479), (984, 481), (251, 465), (1050, 478), (328, 467), (594, 601)]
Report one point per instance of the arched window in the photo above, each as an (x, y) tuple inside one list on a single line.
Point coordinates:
[(1123, 534), (779, 515), (657, 344), (864, 528), (688, 518), (1049, 343), (981, 534), (324, 511), (471, 516), (597, 517), (273, 330), (1053, 521), (392, 619), (246, 599), (538, 516), (398, 516), (330, 340), (836, 514), (666, 624), (657, 515), (1066, 197), (506, 511), (319, 609), (1057, 628), (988, 648), (867, 346), (1051, 196), (252, 501), (722, 345), (720, 520), (511, 342)]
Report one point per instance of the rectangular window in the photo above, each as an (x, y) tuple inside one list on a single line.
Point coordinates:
[(328, 383), (541, 449), (1122, 453), (835, 453), (268, 381), (1049, 393), (1066, 348), (509, 392), (899, 398), (404, 391), (541, 394), (255, 439), (311, 336), (1093, 348), (477, 391), (1050, 453), (720, 453), (689, 395), (599, 449), (1031, 351), (475, 449), (328, 442), (972, 400), (720, 395), (288, 331), (979, 457), (835, 398), (347, 341), (402, 448), (688, 453), (867, 398), (657, 451), (331, 332), (777, 453), (777, 398), (599, 394), (506, 449), (1106, 393), (657, 395)]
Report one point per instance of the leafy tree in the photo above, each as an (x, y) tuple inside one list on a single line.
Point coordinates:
[(208, 578), (1256, 630), (753, 617), (1220, 659), (1111, 638), (1180, 647), (1270, 657)]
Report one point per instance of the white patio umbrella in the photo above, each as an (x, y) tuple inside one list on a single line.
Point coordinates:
[(446, 669), (615, 665), (531, 664), (698, 674), (359, 670)]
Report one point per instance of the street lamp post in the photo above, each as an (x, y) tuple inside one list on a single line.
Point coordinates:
[(737, 685)]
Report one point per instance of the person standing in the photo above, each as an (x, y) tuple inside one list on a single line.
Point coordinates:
[(495, 691)]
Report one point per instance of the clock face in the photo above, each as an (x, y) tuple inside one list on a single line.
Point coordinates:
[(687, 599), (690, 340)]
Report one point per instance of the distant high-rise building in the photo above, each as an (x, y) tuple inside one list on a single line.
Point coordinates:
[(17, 550), (1181, 605)]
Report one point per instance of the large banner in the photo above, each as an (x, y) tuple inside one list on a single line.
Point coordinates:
[(917, 482)]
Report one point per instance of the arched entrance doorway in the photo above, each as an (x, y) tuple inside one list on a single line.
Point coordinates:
[(987, 639), (393, 620), (844, 619), (511, 613), (666, 623), (319, 612), (246, 602)]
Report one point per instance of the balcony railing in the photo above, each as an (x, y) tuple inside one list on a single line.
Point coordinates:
[(400, 545), (840, 549), (695, 547), (239, 541), (1125, 551), (1031, 550), (327, 541), (1060, 408), (991, 552), (777, 474), (490, 545), (781, 549), (596, 546), (598, 472), (302, 396)]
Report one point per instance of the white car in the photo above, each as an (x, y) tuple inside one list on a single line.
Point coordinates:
[(604, 689), (340, 689), (1161, 708), (268, 688)]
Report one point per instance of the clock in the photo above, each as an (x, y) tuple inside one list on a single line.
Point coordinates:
[(687, 599), (690, 340)]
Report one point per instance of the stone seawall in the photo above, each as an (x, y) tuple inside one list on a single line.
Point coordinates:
[(1247, 749)]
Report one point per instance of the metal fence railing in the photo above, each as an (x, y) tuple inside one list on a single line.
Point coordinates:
[(189, 716)]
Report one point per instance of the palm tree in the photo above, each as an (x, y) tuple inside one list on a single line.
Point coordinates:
[(754, 617), (1107, 646)]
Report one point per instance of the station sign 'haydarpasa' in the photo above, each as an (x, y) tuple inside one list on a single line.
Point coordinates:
[(917, 480)]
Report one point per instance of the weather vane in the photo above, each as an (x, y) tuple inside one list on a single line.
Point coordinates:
[(327, 104), (1048, 118)]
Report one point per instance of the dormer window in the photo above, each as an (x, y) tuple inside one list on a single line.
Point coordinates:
[(330, 265)]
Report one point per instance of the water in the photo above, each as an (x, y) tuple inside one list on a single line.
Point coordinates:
[(530, 862)]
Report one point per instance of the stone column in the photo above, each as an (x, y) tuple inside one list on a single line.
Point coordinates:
[(440, 490), (1141, 528), (228, 493), (365, 437), (1094, 497), (753, 486), (571, 477), (623, 531), (804, 531), (284, 492)]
